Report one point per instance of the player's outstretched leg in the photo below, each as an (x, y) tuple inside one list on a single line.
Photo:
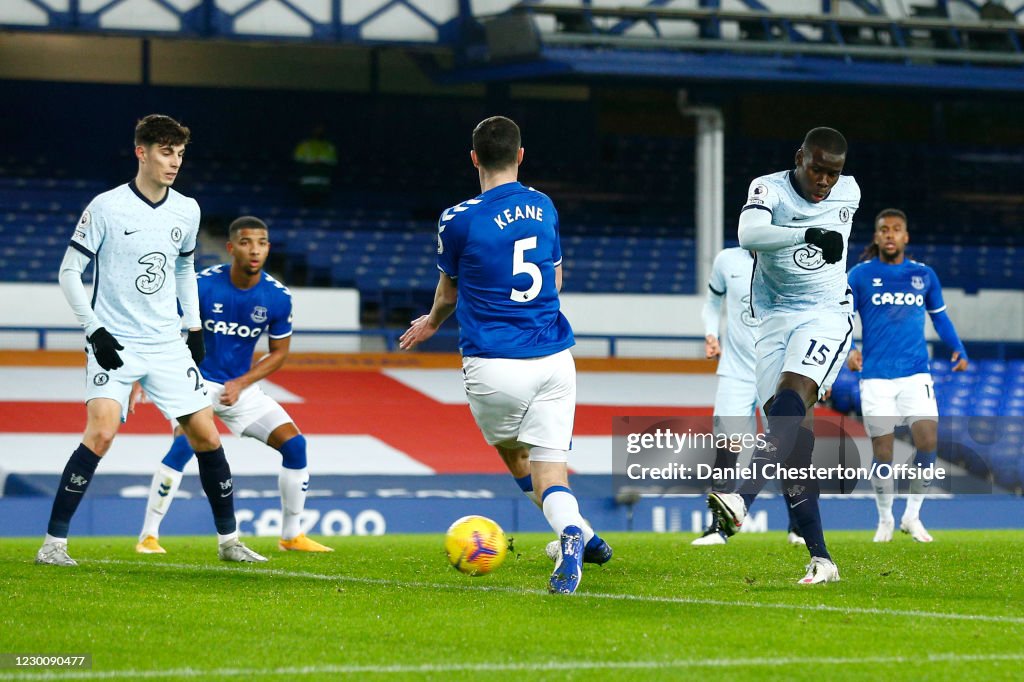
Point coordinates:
[(215, 475), (293, 482), (74, 481), (162, 490), (786, 413)]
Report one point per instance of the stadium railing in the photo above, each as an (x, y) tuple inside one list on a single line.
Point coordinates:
[(388, 339), (777, 33)]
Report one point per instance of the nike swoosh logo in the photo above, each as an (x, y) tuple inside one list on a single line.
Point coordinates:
[(794, 506), (797, 220), (811, 364), (227, 493), (73, 491), (132, 232)]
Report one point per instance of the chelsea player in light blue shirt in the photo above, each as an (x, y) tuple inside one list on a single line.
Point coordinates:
[(239, 303), (501, 271), (892, 294)]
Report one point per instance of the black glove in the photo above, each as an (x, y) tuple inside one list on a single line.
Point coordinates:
[(105, 347), (196, 345), (830, 243)]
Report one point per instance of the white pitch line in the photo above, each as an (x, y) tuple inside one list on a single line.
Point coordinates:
[(825, 608), (540, 666)]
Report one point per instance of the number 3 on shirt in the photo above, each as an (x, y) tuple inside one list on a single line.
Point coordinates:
[(522, 266)]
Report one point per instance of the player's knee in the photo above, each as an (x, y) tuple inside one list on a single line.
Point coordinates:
[(293, 453), (99, 440)]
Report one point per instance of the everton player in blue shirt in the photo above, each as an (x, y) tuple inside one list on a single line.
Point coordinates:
[(501, 271), (239, 303), (892, 294)]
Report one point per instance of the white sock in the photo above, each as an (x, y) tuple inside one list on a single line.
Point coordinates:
[(161, 493), (48, 539), (561, 509), (221, 539), (883, 497), (914, 502), (588, 532), (293, 484)]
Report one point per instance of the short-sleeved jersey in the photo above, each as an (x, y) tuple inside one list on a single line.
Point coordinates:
[(892, 301), (134, 244), (234, 319), (502, 248), (797, 278), (730, 276)]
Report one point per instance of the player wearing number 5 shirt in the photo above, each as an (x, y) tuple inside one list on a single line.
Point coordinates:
[(501, 271), (141, 237)]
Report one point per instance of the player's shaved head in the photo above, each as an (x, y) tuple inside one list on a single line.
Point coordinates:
[(246, 222), (496, 141), (161, 130), (828, 140)]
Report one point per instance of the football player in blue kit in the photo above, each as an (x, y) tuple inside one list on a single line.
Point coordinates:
[(142, 237), (892, 294), (501, 271), (797, 223), (239, 303)]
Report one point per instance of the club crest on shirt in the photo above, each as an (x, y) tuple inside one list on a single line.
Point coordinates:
[(175, 234), (917, 282), (844, 215), (259, 314), (809, 258)]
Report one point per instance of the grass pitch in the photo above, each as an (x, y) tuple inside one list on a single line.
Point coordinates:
[(391, 608)]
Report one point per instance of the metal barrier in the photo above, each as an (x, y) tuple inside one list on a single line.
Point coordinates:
[(998, 350)]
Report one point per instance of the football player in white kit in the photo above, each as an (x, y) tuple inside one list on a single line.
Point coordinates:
[(142, 237), (797, 222), (736, 403)]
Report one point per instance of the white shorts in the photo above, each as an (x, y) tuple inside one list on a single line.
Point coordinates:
[(255, 414), (813, 344), (523, 402), (167, 374), (888, 403), (735, 407)]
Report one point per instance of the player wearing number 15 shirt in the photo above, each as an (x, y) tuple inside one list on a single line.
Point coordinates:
[(501, 271)]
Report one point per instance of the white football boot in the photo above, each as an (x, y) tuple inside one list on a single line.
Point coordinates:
[(55, 554), (820, 570), (885, 530), (916, 529), (730, 510)]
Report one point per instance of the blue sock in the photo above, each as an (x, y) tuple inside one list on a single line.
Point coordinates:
[(925, 460), (784, 417), (179, 454), (73, 482), (293, 453), (525, 483), (802, 498), (215, 475)]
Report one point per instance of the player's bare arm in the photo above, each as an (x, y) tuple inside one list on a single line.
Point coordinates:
[(422, 328), (261, 369)]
